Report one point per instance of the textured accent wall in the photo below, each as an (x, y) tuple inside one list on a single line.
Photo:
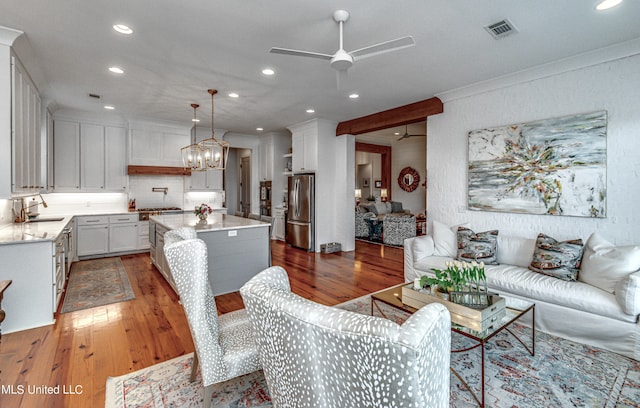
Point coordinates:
[(611, 86)]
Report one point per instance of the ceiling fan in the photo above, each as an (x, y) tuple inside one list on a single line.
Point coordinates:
[(406, 134), (342, 60)]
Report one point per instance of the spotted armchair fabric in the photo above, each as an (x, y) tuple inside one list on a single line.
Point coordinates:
[(397, 228), (320, 356), (362, 225), (225, 346)]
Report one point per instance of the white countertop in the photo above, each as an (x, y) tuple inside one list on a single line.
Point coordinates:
[(27, 232), (215, 222)]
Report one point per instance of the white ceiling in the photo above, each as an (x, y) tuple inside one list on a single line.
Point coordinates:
[(179, 49)]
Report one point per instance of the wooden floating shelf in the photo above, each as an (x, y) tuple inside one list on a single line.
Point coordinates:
[(158, 171)]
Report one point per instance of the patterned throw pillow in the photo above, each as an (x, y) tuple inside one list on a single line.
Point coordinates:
[(477, 247), (558, 259)]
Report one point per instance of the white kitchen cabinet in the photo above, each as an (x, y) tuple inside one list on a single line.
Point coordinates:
[(25, 131), (152, 144), (210, 180), (279, 226), (115, 174), (123, 233), (66, 155), (91, 157), (143, 235), (304, 144), (266, 161), (93, 239)]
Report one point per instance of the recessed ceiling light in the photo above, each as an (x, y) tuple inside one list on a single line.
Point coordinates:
[(268, 71), (310, 110), (123, 29), (116, 70), (259, 129), (234, 95), (397, 133), (354, 96), (109, 107), (195, 120), (607, 4)]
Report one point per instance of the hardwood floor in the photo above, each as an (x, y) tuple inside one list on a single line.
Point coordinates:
[(83, 348)]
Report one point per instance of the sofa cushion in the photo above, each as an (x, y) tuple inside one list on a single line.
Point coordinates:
[(371, 207), (515, 250), (536, 286), (481, 246), (604, 264), (444, 238), (628, 294), (557, 259)]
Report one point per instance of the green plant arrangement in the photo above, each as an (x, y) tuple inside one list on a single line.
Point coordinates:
[(466, 283)]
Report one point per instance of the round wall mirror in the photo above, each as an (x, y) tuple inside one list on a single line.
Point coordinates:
[(408, 179)]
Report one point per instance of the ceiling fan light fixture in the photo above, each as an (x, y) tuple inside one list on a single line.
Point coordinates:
[(116, 70)]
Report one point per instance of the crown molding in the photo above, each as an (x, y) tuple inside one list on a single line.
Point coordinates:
[(9, 35)]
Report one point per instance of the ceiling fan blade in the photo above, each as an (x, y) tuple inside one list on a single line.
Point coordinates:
[(383, 47), (414, 135), (299, 53)]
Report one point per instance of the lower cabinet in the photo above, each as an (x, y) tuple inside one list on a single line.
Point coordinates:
[(103, 235), (160, 261), (93, 239), (279, 226)]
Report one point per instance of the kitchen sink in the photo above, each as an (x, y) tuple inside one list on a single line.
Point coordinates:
[(46, 219)]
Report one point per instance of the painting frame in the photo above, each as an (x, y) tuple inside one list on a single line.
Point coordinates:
[(377, 184), (365, 182), (553, 166)]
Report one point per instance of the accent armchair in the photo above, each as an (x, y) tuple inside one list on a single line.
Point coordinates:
[(224, 345), (397, 228), (320, 356)]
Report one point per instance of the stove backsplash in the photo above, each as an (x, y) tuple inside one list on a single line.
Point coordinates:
[(141, 189)]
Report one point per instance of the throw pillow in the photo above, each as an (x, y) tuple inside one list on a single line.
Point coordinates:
[(396, 207), (604, 264), (381, 208), (628, 294), (444, 238), (372, 208), (480, 247), (558, 259), (515, 250), (422, 247)]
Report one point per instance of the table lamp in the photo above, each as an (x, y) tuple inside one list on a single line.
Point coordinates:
[(358, 195), (383, 194)]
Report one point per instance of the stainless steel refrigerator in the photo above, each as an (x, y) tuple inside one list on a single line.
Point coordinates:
[(301, 212)]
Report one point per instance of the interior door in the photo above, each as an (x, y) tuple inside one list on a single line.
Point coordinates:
[(245, 185)]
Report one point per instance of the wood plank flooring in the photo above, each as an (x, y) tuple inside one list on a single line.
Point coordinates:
[(83, 348)]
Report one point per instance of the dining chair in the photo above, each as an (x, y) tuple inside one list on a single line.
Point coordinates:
[(225, 347)]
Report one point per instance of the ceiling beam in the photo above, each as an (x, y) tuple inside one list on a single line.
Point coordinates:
[(403, 115)]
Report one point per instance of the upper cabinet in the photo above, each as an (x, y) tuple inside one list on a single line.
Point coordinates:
[(89, 157), (26, 131), (154, 144), (304, 143)]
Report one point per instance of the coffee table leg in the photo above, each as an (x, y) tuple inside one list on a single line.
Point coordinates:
[(479, 401)]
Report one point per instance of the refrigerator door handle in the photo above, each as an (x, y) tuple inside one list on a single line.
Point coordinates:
[(297, 198), (297, 222)]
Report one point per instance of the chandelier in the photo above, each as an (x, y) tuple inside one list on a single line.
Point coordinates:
[(193, 154), (209, 154)]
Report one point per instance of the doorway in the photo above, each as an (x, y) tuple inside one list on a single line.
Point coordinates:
[(245, 185)]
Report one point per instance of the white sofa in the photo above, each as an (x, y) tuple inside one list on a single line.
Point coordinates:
[(574, 310)]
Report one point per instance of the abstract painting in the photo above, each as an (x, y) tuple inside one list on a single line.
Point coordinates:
[(552, 166)]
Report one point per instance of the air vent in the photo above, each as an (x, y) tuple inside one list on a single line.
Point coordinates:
[(94, 95), (501, 29)]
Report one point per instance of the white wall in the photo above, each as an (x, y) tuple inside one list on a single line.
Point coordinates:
[(611, 86), (409, 153)]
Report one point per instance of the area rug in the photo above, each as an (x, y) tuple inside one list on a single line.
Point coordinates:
[(96, 282), (561, 374)]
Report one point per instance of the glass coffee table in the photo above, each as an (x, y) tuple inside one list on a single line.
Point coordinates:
[(516, 308)]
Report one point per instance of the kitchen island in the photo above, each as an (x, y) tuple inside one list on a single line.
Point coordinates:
[(237, 248)]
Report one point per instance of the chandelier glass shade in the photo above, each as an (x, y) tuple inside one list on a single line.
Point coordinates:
[(193, 155), (208, 154)]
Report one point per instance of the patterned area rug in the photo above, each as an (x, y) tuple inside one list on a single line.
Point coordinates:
[(561, 374), (96, 282)]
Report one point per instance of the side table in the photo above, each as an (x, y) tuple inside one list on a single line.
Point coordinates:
[(3, 286)]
